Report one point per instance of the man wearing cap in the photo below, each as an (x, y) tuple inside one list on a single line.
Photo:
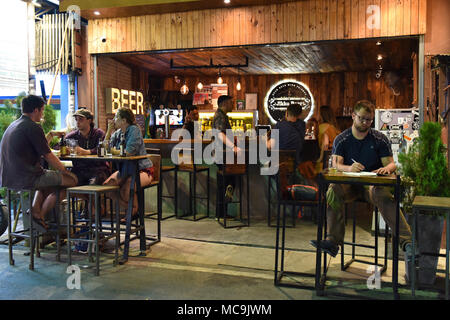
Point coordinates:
[(222, 123), (88, 139)]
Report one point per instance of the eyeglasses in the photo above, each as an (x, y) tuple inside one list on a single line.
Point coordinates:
[(361, 119)]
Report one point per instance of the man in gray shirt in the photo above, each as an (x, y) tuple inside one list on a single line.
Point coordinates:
[(21, 149)]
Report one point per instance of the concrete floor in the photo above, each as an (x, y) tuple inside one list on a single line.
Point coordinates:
[(199, 261)]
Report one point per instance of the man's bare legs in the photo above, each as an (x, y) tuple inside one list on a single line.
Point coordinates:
[(46, 199)]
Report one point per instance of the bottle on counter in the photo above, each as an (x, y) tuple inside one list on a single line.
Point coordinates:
[(63, 150), (100, 149), (122, 145)]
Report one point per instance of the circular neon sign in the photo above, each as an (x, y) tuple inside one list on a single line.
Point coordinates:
[(287, 92)]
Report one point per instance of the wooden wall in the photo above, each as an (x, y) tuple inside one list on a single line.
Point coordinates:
[(307, 20), (334, 89)]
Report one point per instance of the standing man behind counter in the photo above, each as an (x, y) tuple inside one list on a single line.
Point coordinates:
[(222, 123), (357, 149)]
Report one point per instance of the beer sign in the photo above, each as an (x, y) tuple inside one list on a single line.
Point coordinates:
[(285, 93), (117, 98)]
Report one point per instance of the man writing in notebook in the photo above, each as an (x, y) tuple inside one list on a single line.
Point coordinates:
[(361, 148)]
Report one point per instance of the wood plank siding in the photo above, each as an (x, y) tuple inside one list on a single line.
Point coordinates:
[(308, 20)]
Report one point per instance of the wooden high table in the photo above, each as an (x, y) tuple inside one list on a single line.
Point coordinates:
[(135, 179), (327, 177)]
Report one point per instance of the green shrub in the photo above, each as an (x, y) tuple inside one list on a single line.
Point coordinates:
[(424, 167)]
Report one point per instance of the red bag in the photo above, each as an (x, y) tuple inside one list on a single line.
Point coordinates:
[(303, 192)]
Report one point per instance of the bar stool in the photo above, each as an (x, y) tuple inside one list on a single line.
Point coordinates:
[(20, 234), (287, 160), (354, 244), (187, 165), (174, 196), (239, 171), (156, 160), (95, 228), (287, 167), (423, 205), (33, 233)]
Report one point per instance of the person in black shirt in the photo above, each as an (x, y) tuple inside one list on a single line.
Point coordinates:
[(361, 148), (291, 131)]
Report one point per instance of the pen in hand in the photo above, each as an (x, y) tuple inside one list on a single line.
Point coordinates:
[(358, 166)]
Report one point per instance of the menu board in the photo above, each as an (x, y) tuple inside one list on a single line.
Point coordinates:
[(217, 91)]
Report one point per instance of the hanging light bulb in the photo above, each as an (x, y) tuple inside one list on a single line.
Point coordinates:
[(184, 89), (200, 86), (219, 79), (238, 85)]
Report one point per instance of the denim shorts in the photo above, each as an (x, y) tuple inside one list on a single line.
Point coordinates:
[(50, 178)]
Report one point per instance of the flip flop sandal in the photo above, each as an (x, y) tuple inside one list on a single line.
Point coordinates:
[(39, 223)]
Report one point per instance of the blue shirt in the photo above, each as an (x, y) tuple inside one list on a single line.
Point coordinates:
[(367, 151), (292, 136), (134, 144)]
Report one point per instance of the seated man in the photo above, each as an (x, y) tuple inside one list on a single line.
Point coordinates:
[(88, 138), (22, 146), (361, 148), (291, 137)]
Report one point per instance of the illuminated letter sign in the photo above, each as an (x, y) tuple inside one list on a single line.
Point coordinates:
[(285, 93), (116, 98)]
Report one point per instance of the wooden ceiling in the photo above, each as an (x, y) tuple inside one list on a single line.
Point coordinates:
[(319, 57), (127, 8)]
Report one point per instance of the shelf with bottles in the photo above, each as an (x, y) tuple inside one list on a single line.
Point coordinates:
[(239, 120)]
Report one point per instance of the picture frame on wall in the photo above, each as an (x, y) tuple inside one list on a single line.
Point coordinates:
[(251, 101), (240, 104)]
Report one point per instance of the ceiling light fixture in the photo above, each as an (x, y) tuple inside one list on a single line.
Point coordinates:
[(97, 13), (219, 79), (200, 86), (238, 85), (226, 1), (184, 89), (378, 43)]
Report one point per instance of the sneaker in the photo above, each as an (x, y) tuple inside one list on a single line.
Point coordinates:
[(328, 246), (229, 193)]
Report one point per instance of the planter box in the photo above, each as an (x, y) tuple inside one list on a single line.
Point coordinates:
[(429, 235)]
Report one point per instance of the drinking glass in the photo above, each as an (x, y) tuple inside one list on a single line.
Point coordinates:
[(72, 144), (107, 146)]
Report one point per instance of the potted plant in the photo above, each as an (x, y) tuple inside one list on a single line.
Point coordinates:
[(424, 172)]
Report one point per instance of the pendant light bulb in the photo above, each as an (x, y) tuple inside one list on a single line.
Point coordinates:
[(219, 79), (238, 86), (184, 89), (200, 86)]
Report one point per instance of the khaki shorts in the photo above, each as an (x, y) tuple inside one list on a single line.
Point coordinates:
[(49, 179)]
